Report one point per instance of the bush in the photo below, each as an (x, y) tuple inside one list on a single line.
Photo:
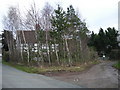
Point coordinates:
[(115, 54), (92, 54), (117, 65), (5, 56)]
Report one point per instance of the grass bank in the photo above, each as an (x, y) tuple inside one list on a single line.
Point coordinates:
[(117, 65), (43, 70)]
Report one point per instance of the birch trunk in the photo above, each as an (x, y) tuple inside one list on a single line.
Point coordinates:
[(68, 51), (81, 48), (36, 34), (56, 52), (28, 56), (20, 48), (48, 53), (40, 53)]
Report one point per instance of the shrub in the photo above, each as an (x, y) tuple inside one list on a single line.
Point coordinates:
[(115, 54), (5, 56)]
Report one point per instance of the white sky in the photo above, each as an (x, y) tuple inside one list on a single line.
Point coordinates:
[(97, 13)]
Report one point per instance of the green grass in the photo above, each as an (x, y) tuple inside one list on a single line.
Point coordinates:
[(117, 65), (43, 70), (21, 67)]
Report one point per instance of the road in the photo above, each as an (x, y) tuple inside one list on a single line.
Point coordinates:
[(13, 78), (0, 74)]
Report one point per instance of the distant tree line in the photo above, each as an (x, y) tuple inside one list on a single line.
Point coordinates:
[(105, 42)]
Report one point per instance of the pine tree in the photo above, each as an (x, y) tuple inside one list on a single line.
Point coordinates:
[(58, 26)]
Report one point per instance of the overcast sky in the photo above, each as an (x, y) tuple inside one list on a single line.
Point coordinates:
[(97, 13)]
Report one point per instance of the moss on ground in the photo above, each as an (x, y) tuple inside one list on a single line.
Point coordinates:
[(117, 65)]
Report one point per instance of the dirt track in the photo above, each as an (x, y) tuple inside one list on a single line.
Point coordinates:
[(102, 75)]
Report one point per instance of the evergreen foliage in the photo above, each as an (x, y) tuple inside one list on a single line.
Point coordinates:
[(105, 41)]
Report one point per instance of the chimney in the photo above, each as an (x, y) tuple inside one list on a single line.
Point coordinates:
[(37, 27)]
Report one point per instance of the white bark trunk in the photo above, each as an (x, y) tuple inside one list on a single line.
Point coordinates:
[(56, 52), (68, 51), (81, 49), (28, 56)]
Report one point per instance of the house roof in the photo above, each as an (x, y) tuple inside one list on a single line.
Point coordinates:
[(26, 36)]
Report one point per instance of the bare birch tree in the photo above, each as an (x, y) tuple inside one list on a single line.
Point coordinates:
[(12, 23), (32, 22), (46, 25)]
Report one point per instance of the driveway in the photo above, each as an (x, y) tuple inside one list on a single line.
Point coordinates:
[(102, 75), (13, 78)]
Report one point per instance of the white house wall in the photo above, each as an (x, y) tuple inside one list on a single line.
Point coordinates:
[(34, 49)]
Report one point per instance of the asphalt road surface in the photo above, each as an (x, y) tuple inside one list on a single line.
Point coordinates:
[(13, 78), (0, 74)]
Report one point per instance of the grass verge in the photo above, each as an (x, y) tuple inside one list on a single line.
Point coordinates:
[(117, 65), (44, 70)]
